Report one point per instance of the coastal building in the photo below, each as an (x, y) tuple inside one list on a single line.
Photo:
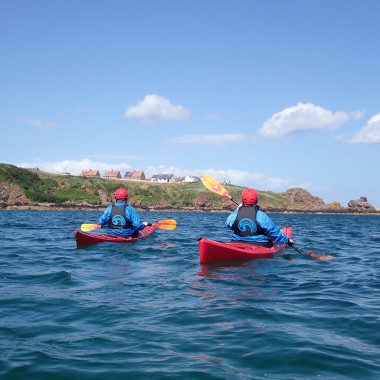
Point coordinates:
[(90, 173), (190, 178), (163, 178), (139, 175), (112, 174), (135, 174)]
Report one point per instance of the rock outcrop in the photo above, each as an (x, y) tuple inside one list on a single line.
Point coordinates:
[(360, 205), (202, 201), (228, 205), (302, 199), (335, 207), (12, 195)]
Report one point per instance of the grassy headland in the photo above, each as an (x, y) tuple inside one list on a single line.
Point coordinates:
[(42, 187), (29, 188)]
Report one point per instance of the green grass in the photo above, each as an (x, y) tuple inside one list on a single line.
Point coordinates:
[(75, 195), (273, 199), (44, 187)]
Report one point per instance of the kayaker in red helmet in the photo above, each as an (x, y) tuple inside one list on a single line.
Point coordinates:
[(121, 218), (252, 225)]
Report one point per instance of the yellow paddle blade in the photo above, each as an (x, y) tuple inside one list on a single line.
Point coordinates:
[(213, 185), (166, 224), (86, 227)]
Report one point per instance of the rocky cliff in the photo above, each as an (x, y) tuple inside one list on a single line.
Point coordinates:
[(301, 198), (361, 205), (12, 195)]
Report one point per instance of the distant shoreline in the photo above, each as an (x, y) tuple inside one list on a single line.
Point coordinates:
[(55, 207), (22, 189)]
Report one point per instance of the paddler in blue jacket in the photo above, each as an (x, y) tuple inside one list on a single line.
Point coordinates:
[(121, 218), (253, 226)]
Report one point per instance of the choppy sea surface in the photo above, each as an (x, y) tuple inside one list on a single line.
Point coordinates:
[(149, 310)]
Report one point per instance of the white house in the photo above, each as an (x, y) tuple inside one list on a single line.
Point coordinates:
[(190, 178), (163, 178)]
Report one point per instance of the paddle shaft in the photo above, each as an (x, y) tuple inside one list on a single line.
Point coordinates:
[(233, 200), (295, 248)]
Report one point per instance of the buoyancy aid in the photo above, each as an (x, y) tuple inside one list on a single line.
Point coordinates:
[(246, 224), (118, 218)]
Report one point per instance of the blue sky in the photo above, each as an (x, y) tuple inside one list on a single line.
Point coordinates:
[(270, 94)]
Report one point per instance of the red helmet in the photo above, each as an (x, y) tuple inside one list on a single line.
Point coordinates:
[(249, 197), (121, 193)]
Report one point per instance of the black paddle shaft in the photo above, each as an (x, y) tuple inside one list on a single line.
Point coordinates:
[(236, 203), (295, 248)]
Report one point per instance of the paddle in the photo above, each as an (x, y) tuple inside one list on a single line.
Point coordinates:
[(166, 224), (318, 256), (213, 185)]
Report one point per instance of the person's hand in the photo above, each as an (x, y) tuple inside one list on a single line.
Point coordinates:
[(240, 204), (145, 223), (291, 242)]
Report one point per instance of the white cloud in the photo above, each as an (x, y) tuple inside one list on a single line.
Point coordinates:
[(236, 177), (73, 167), (223, 139), (258, 180), (40, 123), (302, 117), (370, 133), (155, 108)]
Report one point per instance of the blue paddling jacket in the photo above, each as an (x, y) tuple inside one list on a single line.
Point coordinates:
[(251, 224), (121, 219)]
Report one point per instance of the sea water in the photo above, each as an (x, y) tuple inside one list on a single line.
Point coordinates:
[(150, 310)]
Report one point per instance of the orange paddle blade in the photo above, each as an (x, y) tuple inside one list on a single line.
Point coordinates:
[(86, 227), (319, 256), (166, 224), (213, 185)]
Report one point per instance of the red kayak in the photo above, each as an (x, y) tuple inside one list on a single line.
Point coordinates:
[(83, 238), (212, 251)]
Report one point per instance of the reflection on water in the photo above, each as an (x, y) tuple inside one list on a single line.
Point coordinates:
[(214, 270)]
